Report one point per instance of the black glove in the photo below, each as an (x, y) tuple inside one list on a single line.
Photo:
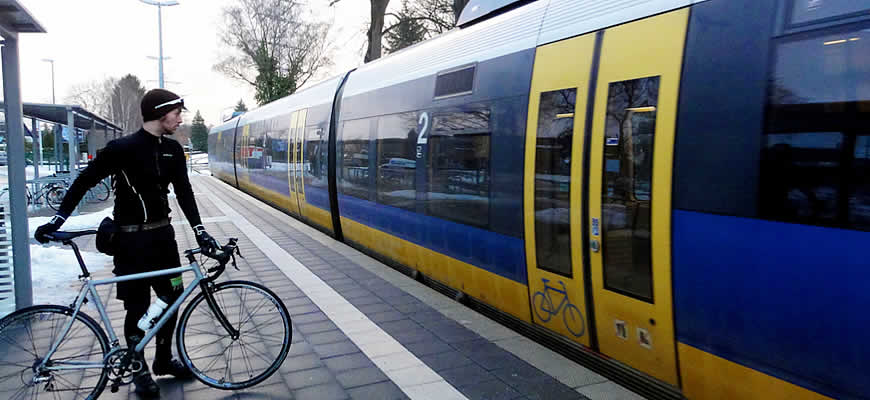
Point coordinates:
[(49, 228), (204, 240)]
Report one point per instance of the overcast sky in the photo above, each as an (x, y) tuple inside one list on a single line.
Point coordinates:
[(95, 39)]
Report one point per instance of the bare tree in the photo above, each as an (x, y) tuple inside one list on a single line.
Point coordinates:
[(375, 32), (277, 51), (94, 96), (125, 101)]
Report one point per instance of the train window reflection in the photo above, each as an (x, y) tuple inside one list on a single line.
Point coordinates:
[(553, 181), (397, 136), (459, 178), (814, 162), (315, 157), (354, 151), (627, 186)]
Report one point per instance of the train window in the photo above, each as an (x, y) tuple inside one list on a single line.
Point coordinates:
[(553, 181), (627, 186), (455, 82), (459, 145), (804, 11), (354, 151), (397, 137), (814, 160), (315, 157)]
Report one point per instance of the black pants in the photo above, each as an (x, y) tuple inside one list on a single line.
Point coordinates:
[(144, 252)]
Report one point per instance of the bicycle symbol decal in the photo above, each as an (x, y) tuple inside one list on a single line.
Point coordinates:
[(571, 315)]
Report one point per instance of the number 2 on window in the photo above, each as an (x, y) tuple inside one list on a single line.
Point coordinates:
[(424, 132)]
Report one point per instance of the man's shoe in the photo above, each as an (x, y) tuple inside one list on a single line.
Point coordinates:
[(145, 386), (172, 367)]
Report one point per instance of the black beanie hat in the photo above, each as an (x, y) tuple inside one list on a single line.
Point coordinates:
[(159, 102)]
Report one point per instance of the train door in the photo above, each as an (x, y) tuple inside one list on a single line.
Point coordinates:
[(293, 205), (242, 173), (631, 159), (553, 182), (298, 165)]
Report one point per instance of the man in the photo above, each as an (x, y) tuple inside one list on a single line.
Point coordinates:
[(143, 165)]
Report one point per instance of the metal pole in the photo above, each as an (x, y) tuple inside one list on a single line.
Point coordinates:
[(73, 148), (17, 177), (160, 38), (52, 82), (37, 147)]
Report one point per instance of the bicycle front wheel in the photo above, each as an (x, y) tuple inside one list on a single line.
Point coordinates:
[(27, 335), (222, 362)]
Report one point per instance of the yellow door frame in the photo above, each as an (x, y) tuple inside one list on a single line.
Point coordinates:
[(553, 70), (634, 331)]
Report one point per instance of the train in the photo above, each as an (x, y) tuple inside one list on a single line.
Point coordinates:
[(680, 188)]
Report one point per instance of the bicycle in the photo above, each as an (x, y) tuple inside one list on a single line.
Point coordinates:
[(571, 315), (63, 353), (53, 192)]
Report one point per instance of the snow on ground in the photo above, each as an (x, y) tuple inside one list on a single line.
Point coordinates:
[(54, 271), (54, 268), (44, 170)]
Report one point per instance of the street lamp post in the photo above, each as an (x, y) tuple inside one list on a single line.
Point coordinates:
[(49, 60), (160, 5)]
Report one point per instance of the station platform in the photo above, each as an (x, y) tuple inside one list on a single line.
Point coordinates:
[(362, 330)]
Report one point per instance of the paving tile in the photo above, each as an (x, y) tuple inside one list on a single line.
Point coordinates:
[(608, 391), (386, 316), (316, 327), (299, 363), (375, 308), (325, 337), (259, 392), (329, 391), (447, 360), (347, 362), (490, 363), (309, 318), (380, 391), (335, 349), (490, 390), (402, 325), (300, 348), (308, 377), (466, 375), (428, 347), (360, 377)]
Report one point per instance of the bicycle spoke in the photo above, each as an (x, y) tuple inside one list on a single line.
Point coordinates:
[(194, 350), (260, 355), (256, 310), (15, 344), (245, 358)]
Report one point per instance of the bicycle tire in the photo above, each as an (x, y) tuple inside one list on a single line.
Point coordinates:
[(98, 193), (576, 316), (40, 325), (540, 308), (55, 196), (199, 340)]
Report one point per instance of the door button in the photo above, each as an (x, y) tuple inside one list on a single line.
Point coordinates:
[(594, 245)]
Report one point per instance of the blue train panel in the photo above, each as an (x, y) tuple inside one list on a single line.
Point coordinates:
[(789, 300), (500, 254)]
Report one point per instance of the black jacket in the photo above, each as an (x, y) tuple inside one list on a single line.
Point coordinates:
[(150, 164)]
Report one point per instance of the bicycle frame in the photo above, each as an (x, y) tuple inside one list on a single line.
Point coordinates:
[(564, 292), (89, 288)]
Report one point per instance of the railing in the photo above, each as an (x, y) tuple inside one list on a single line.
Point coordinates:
[(7, 284)]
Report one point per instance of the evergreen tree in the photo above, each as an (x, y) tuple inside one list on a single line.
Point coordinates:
[(199, 133), (407, 31), (241, 107)]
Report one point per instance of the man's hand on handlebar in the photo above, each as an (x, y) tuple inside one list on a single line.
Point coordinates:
[(47, 229), (204, 240)]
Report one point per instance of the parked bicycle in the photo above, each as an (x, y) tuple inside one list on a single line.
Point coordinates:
[(232, 335)]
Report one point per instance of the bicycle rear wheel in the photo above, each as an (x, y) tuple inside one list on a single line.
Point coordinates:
[(222, 362), (55, 196), (28, 334), (99, 193)]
